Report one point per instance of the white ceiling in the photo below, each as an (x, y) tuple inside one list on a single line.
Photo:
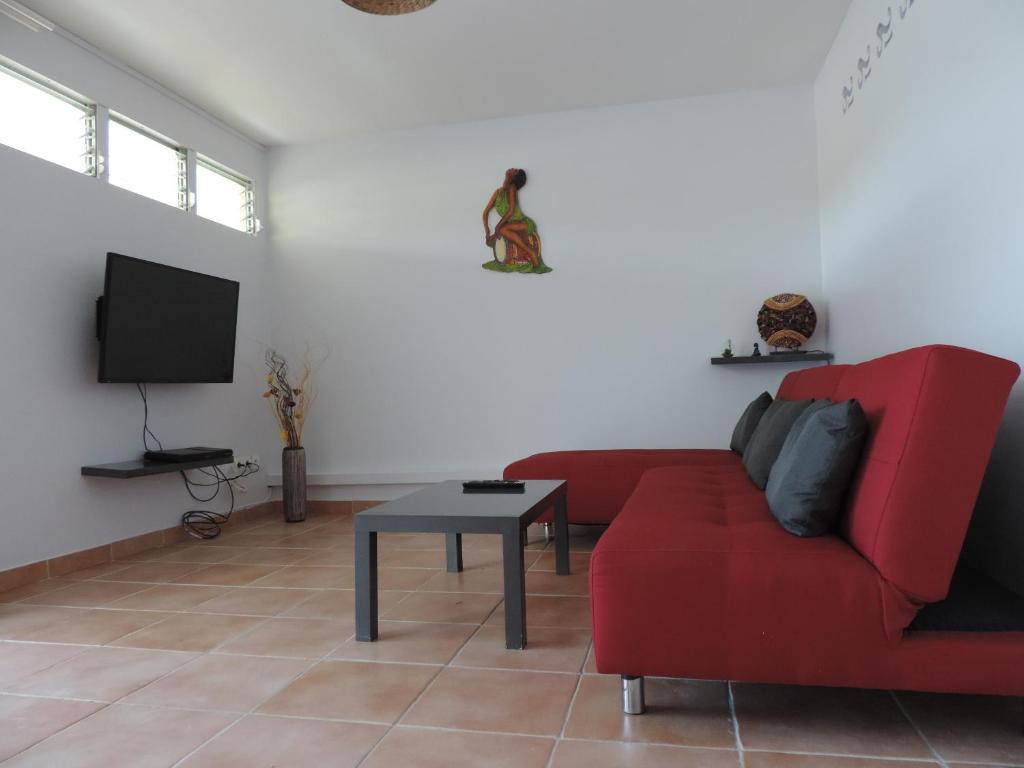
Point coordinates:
[(292, 71)]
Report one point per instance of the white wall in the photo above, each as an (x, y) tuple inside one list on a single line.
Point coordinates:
[(666, 224), (55, 229), (921, 184)]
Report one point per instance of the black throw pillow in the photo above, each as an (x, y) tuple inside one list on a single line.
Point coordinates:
[(748, 423), (809, 481), (769, 435)]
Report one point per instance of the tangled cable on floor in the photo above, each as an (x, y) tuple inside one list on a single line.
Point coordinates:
[(203, 523)]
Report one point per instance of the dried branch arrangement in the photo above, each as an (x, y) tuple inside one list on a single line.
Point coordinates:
[(290, 402)]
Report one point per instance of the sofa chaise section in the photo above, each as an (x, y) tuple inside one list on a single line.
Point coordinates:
[(695, 578), (601, 481)]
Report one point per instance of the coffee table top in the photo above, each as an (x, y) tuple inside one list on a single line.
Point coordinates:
[(447, 506)]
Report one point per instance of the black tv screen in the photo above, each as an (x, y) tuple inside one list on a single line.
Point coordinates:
[(164, 324)]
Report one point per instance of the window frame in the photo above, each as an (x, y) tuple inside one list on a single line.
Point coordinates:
[(90, 145), (144, 130), (249, 221)]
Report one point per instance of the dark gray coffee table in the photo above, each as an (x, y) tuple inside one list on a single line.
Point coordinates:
[(444, 508)]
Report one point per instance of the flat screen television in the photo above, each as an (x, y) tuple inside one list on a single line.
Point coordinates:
[(158, 323)]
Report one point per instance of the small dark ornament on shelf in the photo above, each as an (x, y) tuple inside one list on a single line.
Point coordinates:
[(727, 352), (757, 350), (787, 321)]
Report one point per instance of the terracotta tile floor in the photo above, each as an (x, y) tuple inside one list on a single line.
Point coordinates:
[(240, 653)]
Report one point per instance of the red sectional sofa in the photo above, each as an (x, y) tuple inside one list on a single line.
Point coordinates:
[(695, 578)]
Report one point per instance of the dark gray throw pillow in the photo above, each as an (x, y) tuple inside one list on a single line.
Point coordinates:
[(769, 435), (748, 423), (809, 481)]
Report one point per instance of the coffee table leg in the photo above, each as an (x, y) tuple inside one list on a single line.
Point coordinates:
[(366, 585), (453, 550), (515, 589), (561, 537)]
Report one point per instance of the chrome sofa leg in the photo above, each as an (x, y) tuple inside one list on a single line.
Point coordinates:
[(548, 528), (633, 695)]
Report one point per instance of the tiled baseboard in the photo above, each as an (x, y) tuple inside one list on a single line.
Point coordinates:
[(116, 550)]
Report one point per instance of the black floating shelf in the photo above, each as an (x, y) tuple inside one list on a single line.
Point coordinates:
[(784, 357), (140, 468)]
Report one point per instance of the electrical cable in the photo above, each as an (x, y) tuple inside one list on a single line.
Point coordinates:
[(146, 431), (206, 524), (199, 523)]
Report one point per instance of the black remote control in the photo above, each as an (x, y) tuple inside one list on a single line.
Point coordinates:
[(494, 486)]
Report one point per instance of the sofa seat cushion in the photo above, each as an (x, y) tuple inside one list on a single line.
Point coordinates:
[(601, 481), (695, 578), (716, 508)]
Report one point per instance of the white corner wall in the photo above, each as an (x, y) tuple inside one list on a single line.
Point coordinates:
[(666, 224), (922, 232), (55, 229)]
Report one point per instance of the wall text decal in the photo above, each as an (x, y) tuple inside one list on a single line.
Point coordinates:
[(884, 32), (864, 68)]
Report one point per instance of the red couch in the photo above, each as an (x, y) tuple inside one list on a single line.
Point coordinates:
[(695, 578)]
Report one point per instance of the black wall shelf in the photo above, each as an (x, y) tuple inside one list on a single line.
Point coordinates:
[(139, 468), (785, 357)]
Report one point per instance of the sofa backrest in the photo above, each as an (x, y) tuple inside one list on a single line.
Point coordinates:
[(933, 412)]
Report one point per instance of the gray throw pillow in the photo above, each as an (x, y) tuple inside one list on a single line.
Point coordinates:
[(769, 435), (748, 423), (808, 484)]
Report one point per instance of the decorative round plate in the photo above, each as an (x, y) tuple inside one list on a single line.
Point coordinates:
[(389, 7), (787, 320)]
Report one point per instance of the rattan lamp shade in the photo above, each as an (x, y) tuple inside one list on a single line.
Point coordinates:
[(389, 7)]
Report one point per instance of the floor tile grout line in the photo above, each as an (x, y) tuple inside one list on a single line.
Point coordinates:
[(52, 697), (446, 665), (430, 683), (311, 664), (243, 634), (555, 738), (50, 736), (397, 721), (854, 756), (242, 716), (735, 725), (668, 744), (400, 662), (284, 613), (569, 708), (85, 649), (373, 748), (572, 703), (108, 704), (81, 649), (935, 753), (518, 734)]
